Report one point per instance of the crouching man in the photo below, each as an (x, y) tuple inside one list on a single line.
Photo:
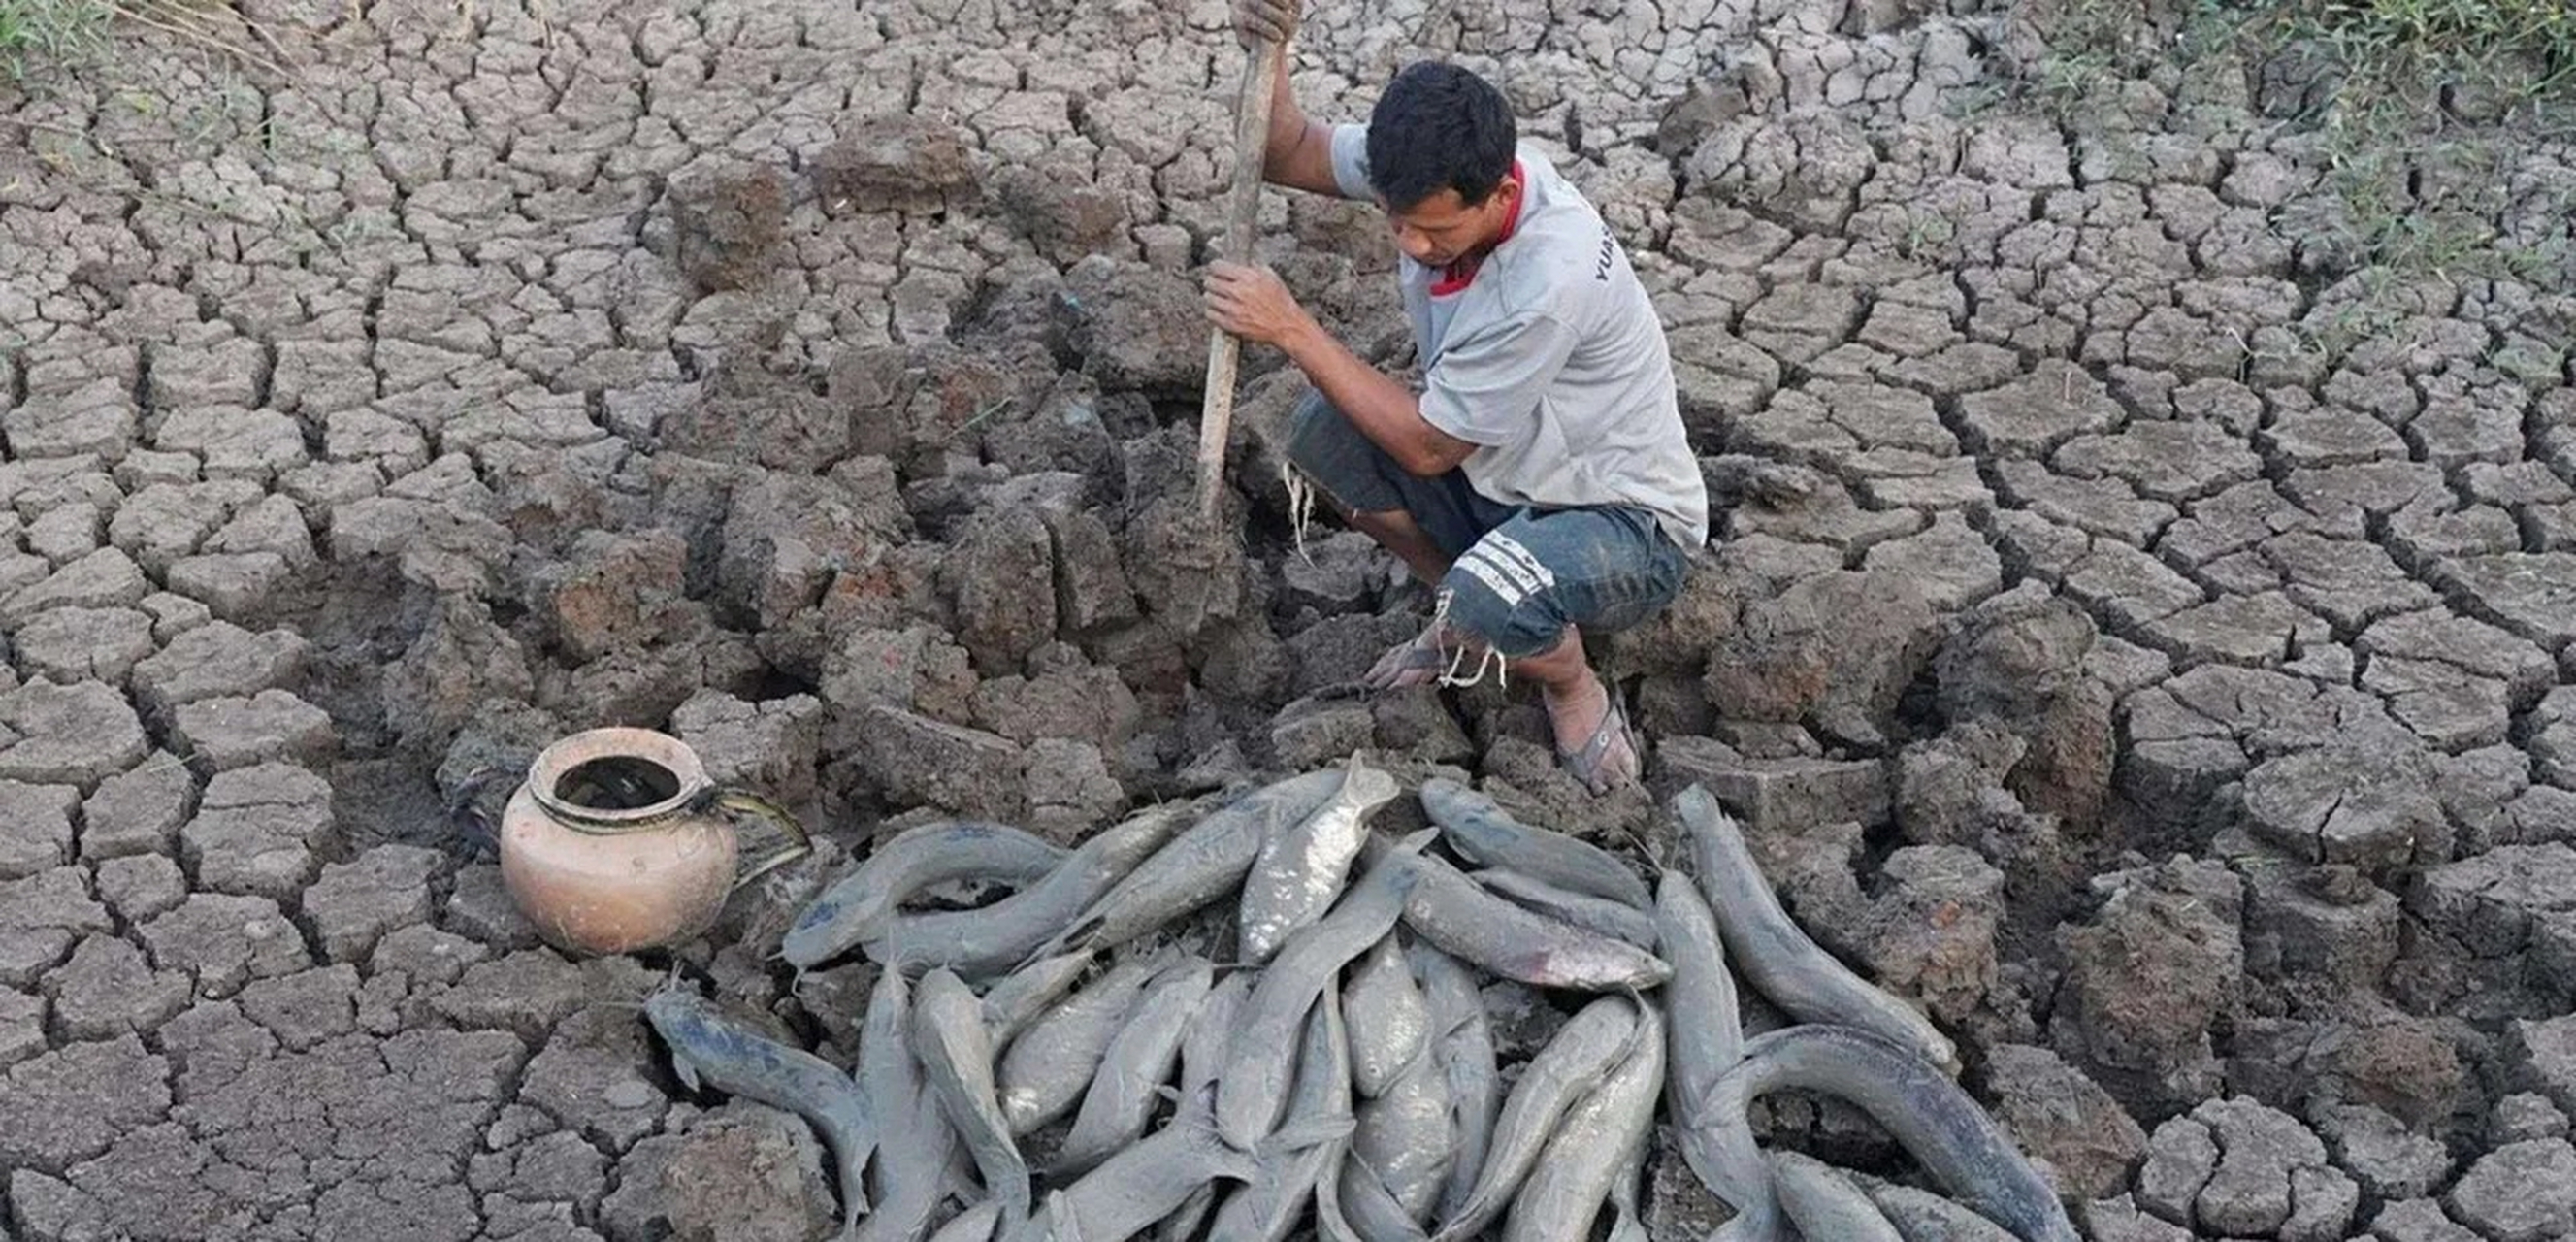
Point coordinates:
[(1541, 480)]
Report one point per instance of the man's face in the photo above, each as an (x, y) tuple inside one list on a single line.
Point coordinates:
[(1442, 229)]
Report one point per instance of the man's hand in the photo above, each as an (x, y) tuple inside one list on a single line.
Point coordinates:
[(1264, 22), (1252, 303)]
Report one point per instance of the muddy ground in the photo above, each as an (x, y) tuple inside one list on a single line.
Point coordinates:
[(2140, 629)]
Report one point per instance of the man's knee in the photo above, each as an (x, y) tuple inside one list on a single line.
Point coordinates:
[(1505, 596), (1522, 584)]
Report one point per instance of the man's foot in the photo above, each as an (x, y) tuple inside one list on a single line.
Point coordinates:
[(1423, 659), (1593, 740)]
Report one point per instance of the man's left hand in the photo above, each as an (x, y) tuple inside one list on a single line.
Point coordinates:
[(1251, 302)]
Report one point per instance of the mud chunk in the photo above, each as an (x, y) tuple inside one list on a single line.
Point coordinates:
[(617, 590), (2330, 928), (2180, 1158), (1307, 734), (424, 953), (786, 538), (1000, 578), (140, 886), (68, 1105), (1776, 795), (257, 830), (594, 1077), (481, 910), (41, 917), (2523, 1117), (305, 1008), (1082, 703), (355, 903), (83, 644), (893, 161), (2520, 1193), (1834, 651), (225, 941), (2418, 1220), (2148, 976), (2119, 1220), (2250, 1191), (1935, 932), (106, 578), (2058, 1114), (727, 224), (108, 989), (216, 660), (741, 1170), (1062, 213), (2348, 803), (2490, 903), (766, 747), (1136, 327), (96, 418), (2407, 1066), (2543, 1057), (35, 827), (923, 762), (22, 1026), (2390, 1162)]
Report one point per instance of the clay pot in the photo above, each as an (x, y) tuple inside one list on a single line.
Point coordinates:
[(617, 841)]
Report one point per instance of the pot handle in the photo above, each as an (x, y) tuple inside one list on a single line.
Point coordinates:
[(745, 802)]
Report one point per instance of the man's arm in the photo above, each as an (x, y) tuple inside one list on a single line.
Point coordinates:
[(1298, 153), (1385, 411)]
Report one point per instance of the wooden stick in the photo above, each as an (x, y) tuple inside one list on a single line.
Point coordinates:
[(1251, 147)]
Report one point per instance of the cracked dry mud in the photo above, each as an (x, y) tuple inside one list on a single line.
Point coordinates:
[(2137, 634)]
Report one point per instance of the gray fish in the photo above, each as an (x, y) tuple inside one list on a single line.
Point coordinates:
[(1914, 1100), (857, 905), (1371, 1208), (1825, 1204), (1196, 867), (1478, 828), (1627, 1222), (1488, 931), (1390, 1022), (1789, 969), (1564, 1192), (708, 1047), (1296, 874), (1706, 1021), (1463, 1042), (989, 940), (957, 1061), (1142, 1184), (912, 1175), (1582, 1054), (1615, 919), (1254, 1085), (1405, 1137), (1203, 1051), (1020, 996), (1046, 1070), (1921, 1216), (1268, 1208), (1134, 1065), (975, 1224)]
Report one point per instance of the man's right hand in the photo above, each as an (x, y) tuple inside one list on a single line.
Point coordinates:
[(1260, 23)]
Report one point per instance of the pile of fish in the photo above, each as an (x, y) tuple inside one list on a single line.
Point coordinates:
[(1334, 1074)]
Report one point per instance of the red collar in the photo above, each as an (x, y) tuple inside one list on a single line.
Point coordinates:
[(1459, 275)]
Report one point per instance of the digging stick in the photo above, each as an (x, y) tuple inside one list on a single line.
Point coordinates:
[(1243, 215)]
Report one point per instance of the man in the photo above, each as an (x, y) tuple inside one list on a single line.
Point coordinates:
[(1541, 481)]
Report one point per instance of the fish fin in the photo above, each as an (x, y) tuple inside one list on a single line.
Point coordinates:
[(1299, 1135), (687, 1073)]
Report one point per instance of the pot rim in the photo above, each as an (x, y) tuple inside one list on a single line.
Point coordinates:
[(576, 749)]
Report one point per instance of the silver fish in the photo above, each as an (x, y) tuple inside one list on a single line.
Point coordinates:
[(957, 1061), (708, 1047), (1296, 874)]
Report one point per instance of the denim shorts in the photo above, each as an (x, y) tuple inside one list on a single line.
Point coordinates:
[(1518, 574)]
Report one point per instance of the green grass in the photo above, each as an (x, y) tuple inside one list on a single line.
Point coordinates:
[(2418, 107), (33, 32)]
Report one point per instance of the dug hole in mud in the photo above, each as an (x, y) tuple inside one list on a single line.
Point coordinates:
[(2136, 636)]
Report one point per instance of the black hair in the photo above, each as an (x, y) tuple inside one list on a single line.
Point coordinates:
[(1439, 127)]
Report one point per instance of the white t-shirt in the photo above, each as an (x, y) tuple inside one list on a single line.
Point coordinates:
[(1550, 359)]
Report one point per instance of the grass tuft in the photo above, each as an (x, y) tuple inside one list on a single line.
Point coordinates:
[(57, 31)]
